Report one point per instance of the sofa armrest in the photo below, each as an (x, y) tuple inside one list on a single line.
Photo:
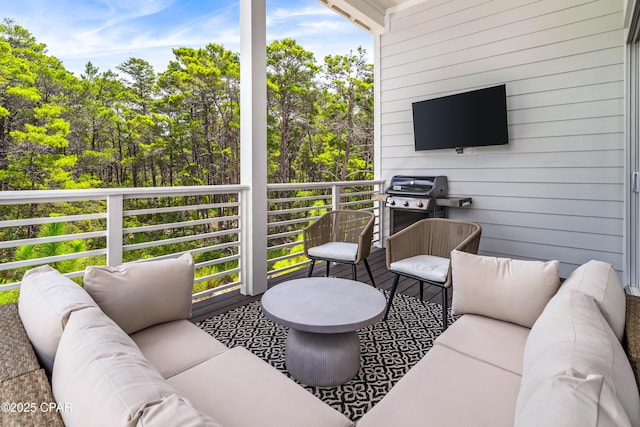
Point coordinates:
[(632, 334), (24, 382), (16, 353), (30, 401)]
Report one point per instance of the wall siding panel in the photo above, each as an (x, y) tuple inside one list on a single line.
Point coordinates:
[(557, 190)]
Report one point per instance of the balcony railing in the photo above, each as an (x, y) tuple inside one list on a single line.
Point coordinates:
[(71, 229), (294, 206)]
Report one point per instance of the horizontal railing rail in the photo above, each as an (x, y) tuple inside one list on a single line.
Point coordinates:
[(71, 229), (292, 207)]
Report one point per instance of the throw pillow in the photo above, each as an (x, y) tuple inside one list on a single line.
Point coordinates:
[(47, 298), (143, 294), (515, 291)]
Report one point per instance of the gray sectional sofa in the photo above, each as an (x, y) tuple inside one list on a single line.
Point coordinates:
[(522, 354), (525, 352), (121, 352)]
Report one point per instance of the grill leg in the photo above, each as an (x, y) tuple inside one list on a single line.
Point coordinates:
[(421, 290), (328, 267), (353, 272)]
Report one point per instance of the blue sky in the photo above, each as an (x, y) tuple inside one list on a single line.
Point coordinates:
[(107, 32)]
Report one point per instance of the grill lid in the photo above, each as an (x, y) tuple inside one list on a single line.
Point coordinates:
[(418, 186)]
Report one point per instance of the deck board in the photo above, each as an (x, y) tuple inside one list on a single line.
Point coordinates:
[(377, 261)]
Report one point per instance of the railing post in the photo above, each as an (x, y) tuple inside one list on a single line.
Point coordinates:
[(114, 229), (381, 219), (335, 197)]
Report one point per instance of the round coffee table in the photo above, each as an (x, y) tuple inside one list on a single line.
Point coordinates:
[(323, 315)]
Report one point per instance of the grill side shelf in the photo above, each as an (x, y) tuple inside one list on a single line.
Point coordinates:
[(454, 202)]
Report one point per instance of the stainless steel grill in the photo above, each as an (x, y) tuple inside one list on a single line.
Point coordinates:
[(416, 193), (412, 198)]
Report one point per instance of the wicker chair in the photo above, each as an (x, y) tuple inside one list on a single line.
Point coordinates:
[(342, 236), (422, 252)]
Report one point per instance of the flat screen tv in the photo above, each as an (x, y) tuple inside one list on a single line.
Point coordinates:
[(469, 119)]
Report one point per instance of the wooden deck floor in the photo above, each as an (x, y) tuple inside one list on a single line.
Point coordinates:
[(384, 280)]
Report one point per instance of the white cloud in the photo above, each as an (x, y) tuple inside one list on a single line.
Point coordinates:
[(108, 32), (317, 29), (285, 15)]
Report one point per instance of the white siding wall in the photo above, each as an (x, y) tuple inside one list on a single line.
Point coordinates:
[(557, 190)]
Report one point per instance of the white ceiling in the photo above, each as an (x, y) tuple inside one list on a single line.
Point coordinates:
[(368, 14)]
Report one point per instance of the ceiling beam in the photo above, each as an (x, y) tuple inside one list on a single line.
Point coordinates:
[(364, 14)]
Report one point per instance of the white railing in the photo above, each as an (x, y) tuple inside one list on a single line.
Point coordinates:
[(294, 206), (107, 230), (72, 229)]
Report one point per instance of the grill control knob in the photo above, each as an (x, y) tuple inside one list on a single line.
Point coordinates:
[(420, 204), (405, 204), (392, 202)]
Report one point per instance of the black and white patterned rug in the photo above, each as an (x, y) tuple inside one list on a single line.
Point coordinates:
[(388, 348)]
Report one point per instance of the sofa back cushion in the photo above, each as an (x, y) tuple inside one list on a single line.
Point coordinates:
[(573, 400), (175, 410), (47, 298), (101, 374), (571, 343), (142, 294), (599, 280), (515, 291)]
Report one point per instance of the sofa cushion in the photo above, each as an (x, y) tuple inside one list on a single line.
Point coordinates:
[(47, 298), (428, 267), (572, 338), (276, 401), (505, 289), (599, 280), (448, 389), (174, 411), (176, 346), (102, 375), (142, 294), (335, 250), (573, 400), (493, 341)]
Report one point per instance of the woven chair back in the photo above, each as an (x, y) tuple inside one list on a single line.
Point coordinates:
[(443, 236)]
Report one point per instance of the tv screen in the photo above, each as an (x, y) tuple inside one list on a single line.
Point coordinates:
[(468, 119)]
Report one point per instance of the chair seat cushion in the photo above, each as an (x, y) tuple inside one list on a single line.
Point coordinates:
[(335, 250), (427, 267)]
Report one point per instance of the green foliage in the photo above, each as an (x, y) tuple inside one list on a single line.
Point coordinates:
[(180, 126), (53, 248), (7, 297), (137, 127), (291, 98)]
